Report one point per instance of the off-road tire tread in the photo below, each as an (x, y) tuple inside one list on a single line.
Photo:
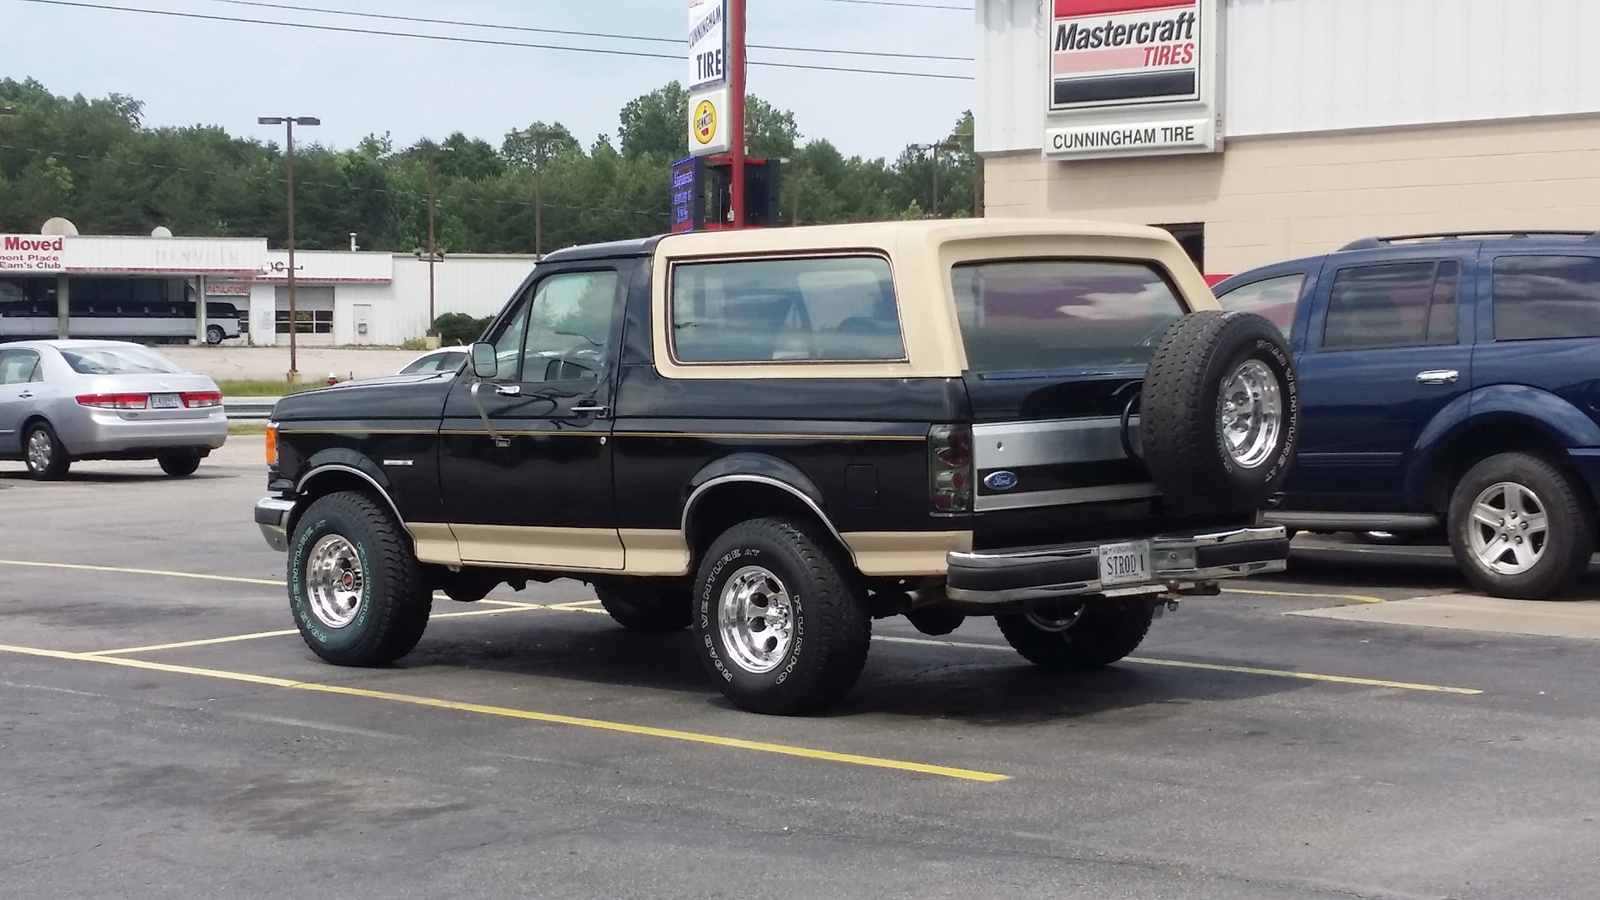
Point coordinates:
[(1565, 502), (1107, 632), (1177, 425), (839, 630), (640, 607), (403, 619)]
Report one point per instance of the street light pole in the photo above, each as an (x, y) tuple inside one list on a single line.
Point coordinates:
[(288, 171), (540, 138), (432, 159)]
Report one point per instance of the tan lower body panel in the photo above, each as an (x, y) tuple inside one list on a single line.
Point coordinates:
[(653, 552)]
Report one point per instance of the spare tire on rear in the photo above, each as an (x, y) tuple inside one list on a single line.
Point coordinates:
[(1220, 413)]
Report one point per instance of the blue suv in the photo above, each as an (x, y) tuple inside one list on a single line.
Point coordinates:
[(1448, 382)]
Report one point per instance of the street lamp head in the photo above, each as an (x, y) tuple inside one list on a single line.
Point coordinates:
[(308, 120), (279, 120), (270, 120)]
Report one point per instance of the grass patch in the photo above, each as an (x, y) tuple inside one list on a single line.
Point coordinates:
[(247, 428), (263, 387)]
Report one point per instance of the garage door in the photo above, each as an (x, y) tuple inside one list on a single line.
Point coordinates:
[(313, 309)]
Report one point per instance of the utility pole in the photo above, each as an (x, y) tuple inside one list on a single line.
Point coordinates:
[(541, 137), (933, 150), (736, 22), (288, 170)]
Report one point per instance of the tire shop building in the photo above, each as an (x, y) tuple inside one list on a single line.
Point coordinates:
[(144, 288), (1259, 130)]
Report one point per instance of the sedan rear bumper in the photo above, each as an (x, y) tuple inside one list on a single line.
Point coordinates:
[(108, 433), (272, 515), (1175, 562)]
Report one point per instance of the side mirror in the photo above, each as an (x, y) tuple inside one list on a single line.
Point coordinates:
[(484, 363)]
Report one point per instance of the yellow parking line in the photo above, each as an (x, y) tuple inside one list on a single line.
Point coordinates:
[(1359, 598), (503, 606), (523, 714), (1215, 667), (130, 571)]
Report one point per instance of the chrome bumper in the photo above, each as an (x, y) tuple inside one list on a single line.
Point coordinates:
[(1176, 562), (272, 514)]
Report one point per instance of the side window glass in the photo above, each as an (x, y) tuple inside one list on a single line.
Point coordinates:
[(19, 367), (827, 309), (508, 343), (570, 327), (1407, 304), (1274, 298), (1538, 297)]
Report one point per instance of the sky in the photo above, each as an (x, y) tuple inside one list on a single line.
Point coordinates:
[(193, 71)]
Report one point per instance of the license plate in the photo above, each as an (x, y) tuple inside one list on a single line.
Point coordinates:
[(165, 401), (1124, 563)]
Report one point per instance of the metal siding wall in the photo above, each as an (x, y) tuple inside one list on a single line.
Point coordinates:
[(1295, 66)]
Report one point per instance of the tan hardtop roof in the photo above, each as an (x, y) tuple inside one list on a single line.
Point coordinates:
[(892, 234)]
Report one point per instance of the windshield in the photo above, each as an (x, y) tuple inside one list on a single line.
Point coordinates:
[(1061, 314), (117, 361)]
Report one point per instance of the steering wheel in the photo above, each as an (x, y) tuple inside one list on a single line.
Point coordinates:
[(579, 357)]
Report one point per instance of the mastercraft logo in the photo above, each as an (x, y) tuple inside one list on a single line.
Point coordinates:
[(1124, 52)]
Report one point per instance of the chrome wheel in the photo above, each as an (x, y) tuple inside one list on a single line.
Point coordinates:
[(40, 450), (1509, 529), (335, 581), (756, 619), (1251, 411)]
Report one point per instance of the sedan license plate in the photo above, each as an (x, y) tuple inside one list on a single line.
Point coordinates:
[(165, 401), (1124, 563)]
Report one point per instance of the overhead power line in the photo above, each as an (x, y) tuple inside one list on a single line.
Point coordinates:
[(343, 29), (568, 33)]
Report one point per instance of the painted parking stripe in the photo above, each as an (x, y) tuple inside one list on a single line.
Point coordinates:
[(1359, 598), (1214, 667), (123, 570), (507, 712), (502, 607)]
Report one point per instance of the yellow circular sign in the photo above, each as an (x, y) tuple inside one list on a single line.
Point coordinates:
[(705, 122)]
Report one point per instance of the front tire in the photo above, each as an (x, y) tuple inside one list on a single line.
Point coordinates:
[(179, 464), (355, 588), (1520, 528), (214, 334), (46, 458), (644, 607), (779, 618), (1091, 636)]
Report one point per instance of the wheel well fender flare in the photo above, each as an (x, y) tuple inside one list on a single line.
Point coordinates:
[(1500, 407), (343, 462), (756, 468)]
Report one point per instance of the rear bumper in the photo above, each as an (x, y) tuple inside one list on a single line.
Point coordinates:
[(1176, 561), (272, 515), (105, 433)]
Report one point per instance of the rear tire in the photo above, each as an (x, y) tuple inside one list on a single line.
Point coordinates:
[(1104, 632), (646, 607), (1520, 528), (1220, 412), (46, 458), (355, 588), (780, 618), (214, 334), (179, 464)]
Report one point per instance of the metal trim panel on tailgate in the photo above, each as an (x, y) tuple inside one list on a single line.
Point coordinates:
[(1045, 460)]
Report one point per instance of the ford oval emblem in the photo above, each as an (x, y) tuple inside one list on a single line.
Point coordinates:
[(1000, 481)]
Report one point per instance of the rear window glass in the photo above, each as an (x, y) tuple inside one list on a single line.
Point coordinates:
[(837, 308), (116, 361), (1274, 298), (1546, 297), (1409, 304), (1055, 314)]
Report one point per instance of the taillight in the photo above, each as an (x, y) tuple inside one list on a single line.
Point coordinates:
[(114, 401), (950, 468), (202, 399), (272, 445)]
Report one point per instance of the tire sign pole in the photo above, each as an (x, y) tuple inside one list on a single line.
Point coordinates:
[(736, 104)]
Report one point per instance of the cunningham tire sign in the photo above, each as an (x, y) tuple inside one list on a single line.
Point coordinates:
[(1132, 77)]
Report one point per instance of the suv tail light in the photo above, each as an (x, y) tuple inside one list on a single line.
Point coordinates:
[(114, 401), (202, 399), (950, 468)]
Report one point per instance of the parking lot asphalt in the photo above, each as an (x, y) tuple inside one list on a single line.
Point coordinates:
[(166, 734)]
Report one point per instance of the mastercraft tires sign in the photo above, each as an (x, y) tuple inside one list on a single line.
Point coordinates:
[(1132, 77)]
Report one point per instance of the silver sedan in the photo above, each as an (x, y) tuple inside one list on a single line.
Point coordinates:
[(71, 400)]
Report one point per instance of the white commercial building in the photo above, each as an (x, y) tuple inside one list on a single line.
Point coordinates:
[(1264, 129), (145, 288)]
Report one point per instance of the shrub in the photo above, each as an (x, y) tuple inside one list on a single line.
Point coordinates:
[(458, 328)]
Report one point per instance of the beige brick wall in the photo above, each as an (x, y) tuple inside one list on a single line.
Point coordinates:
[(1273, 198)]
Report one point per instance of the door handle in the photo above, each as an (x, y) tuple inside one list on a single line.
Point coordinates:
[(1438, 376), (25, 395), (589, 407), (508, 390)]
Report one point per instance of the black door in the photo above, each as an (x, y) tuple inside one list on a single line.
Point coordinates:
[(526, 455)]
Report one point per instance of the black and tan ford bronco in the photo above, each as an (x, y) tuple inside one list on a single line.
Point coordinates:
[(776, 436)]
